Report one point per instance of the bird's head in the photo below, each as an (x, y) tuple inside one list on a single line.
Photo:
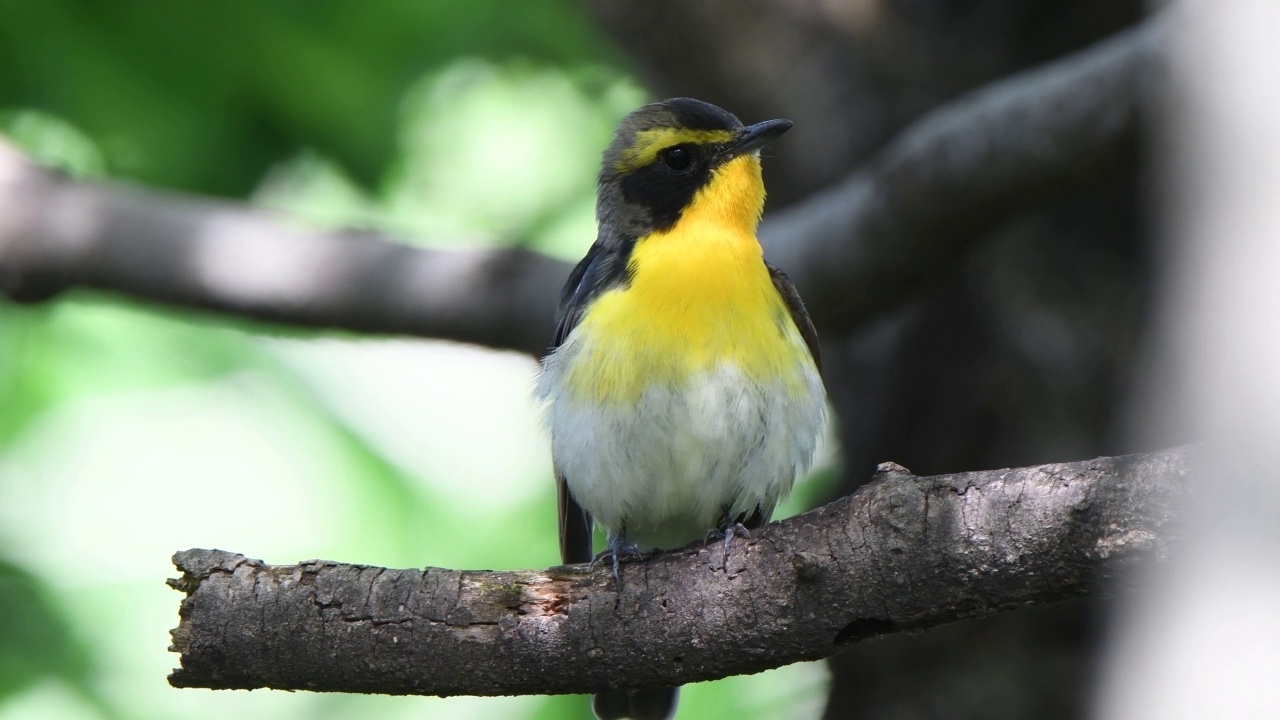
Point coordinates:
[(680, 158)]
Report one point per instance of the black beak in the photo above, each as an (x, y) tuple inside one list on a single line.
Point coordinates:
[(754, 137)]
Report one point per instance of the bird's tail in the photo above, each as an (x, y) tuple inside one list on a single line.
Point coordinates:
[(652, 704)]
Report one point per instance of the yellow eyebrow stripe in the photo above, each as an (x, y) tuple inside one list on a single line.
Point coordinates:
[(653, 141)]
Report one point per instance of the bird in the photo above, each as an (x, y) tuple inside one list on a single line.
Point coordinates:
[(682, 389)]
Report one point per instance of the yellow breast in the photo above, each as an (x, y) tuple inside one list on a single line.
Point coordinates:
[(700, 296)]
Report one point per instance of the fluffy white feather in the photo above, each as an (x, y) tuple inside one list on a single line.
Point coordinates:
[(663, 470)]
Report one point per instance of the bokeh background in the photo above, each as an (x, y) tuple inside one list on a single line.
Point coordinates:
[(129, 430)]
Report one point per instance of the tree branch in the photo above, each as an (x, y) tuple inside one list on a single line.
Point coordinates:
[(900, 225), (57, 233), (903, 553), (892, 230)]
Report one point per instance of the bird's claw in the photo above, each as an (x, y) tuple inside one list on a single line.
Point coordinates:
[(730, 530), (618, 551)]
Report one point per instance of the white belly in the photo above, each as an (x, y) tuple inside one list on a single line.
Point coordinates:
[(664, 471)]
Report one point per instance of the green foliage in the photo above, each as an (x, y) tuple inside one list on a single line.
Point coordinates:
[(35, 641), (38, 644), (79, 348), (206, 96), (53, 141), (565, 707), (130, 431)]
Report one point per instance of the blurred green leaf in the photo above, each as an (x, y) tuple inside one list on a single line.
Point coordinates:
[(565, 707), (206, 96), (53, 141), (466, 173), (454, 120), (35, 642), (84, 346)]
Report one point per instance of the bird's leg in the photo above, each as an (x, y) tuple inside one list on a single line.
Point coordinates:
[(734, 528), (729, 527), (618, 550)]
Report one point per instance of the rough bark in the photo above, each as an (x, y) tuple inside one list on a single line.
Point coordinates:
[(888, 233), (903, 553)]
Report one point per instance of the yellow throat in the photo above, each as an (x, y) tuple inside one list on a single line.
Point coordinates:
[(700, 296)]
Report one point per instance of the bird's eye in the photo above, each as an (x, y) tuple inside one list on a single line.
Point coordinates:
[(677, 158)]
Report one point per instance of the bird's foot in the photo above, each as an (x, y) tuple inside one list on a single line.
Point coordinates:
[(731, 529), (618, 551)]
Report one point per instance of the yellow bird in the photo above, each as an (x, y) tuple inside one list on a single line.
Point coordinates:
[(682, 390)]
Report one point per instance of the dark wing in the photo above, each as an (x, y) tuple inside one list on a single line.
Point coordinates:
[(575, 523), (575, 526), (799, 315), (573, 294)]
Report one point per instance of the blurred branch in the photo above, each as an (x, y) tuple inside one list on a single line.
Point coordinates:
[(903, 553), (888, 233), (900, 225), (57, 233)]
